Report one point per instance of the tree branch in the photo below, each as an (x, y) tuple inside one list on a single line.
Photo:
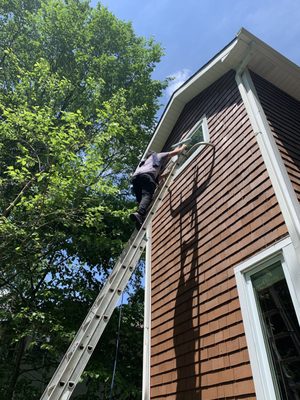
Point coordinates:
[(8, 210)]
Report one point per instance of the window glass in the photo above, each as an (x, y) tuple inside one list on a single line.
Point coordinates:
[(198, 134), (280, 324)]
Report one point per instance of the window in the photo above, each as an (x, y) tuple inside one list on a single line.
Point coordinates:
[(268, 287), (198, 134), (280, 327)]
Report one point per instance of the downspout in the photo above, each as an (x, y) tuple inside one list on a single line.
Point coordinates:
[(280, 180), (147, 320)]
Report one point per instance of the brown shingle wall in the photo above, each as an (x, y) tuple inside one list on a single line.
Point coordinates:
[(220, 210), (283, 115)]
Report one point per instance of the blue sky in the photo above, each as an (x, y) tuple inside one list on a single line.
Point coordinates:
[(193, 31)]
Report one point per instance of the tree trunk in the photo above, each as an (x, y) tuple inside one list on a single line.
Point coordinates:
[(19, 352)]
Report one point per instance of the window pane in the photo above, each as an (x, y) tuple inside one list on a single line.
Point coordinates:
[(198, 133), (197, 136), (281, 328)]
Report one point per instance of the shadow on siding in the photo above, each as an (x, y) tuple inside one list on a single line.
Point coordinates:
[(187, 313)]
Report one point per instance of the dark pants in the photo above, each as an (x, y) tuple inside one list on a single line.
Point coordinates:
[(144, 186)]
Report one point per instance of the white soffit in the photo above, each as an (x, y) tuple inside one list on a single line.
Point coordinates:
[(273, 66), (265, 61)]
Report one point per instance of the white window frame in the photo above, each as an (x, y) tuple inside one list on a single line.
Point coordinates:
[(263, 372), (201, 122)]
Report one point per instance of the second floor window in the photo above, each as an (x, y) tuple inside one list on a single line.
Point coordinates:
[(198, 133)]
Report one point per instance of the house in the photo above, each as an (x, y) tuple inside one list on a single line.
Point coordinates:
[(223, 284)]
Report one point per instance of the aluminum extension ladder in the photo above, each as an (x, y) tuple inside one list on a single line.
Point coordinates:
[(68, 373)]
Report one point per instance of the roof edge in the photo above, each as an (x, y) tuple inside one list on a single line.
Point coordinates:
[(230, 57)]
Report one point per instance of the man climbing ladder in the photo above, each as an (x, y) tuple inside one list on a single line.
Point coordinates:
[(146, 178)]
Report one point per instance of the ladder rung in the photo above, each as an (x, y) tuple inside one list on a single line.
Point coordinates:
[(86, 325), (99, 300)]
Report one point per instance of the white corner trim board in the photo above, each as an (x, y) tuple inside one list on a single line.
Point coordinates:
[(147, 319), (281, 183)]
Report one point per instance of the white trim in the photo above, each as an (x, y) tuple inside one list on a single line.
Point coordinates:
[(281, 183), (263, 374), (284, 73), (207, 75), (262, 256), (203, 123), (147, 320), (291, 269)]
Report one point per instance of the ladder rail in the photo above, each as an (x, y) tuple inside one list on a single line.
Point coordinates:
[(71, 378), (92, 321), (73, 362), (96, 334)]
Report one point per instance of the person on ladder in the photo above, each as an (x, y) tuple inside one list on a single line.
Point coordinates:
[(145, 179)]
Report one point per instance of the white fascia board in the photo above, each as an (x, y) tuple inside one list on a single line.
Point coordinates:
[(266, 61), (268, 52), (273, 66), (200, 81)]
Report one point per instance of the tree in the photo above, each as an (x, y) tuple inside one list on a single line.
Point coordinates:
[(77, 106)]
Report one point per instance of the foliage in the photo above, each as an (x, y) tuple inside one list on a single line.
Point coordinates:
[(77, 105), (128, 376)]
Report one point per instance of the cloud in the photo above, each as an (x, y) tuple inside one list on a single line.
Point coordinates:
[(178, 78)]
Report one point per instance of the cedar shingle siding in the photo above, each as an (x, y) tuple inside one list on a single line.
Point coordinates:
[(283, 114), (221, 209)]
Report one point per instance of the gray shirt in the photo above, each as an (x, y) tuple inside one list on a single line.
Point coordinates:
[(148, 167)]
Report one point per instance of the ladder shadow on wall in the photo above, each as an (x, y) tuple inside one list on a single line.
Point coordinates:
[(187, 313)]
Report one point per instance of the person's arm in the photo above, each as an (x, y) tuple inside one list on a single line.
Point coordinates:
[(177, 151), (169, 155)]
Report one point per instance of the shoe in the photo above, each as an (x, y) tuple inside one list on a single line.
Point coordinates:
[(137, 218)]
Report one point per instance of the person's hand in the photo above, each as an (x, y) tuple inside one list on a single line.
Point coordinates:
[(178, 150)]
